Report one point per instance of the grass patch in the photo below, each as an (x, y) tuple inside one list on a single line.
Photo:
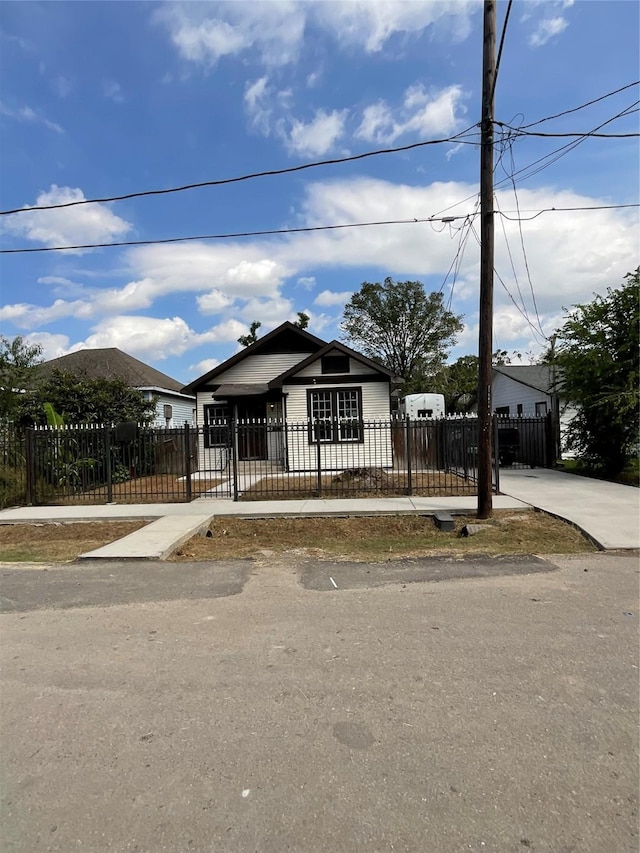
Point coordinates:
[(54, 541), (384, 537), (629, 476), (157, 488), (423, 483)]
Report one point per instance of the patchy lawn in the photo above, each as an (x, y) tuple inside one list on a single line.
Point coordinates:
[(629, 476), (56, 541), (158, 488), (384, 537), (383, 483)]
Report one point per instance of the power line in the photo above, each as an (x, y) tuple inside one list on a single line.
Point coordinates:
[(459, 137), (564, 209), (582, 106), (238, 234), (304, 230), (519, 132), (504, 32), (560, 152)]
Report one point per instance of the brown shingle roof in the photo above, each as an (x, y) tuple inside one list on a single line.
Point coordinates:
[(110, 363)]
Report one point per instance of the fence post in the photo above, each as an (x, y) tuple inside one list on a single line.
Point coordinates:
[(318, 457), (29, 457), (496, 454), (549, 441), (409, 471), (107, 456), (465, 450), (187, 461), (233, 446)]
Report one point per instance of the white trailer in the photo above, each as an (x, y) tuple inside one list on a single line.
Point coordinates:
[(419, 406)]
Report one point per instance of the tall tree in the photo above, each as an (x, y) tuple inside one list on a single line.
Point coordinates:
[(597, 359), (399, 324), (252, 337), (17, 362)]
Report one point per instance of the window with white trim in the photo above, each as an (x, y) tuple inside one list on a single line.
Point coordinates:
[(335, 415)]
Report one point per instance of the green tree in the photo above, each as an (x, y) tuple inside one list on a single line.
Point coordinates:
[(597, 359), (81, 400), (252, 337), (303, 320), (17, 362), (403, 327), (459, 381)]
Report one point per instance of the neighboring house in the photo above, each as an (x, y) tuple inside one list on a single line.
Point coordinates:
[(173, 408), (530, 389), (322, 391)]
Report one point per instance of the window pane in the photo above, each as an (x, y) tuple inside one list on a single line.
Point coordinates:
[(321, 410), (349, 415)]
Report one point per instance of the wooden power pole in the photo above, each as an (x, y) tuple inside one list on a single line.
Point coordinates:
[(485, 343)]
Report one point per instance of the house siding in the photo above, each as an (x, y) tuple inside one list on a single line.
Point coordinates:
[(182, 410), (508, 392), (315, 369), (376, 450), (260, 368)]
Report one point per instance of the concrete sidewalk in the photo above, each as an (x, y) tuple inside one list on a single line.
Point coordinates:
[(175, 523), (607, 512)]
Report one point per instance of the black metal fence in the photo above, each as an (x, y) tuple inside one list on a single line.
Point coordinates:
[(261, 460)]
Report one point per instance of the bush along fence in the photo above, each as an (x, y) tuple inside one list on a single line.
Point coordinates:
[(261, 460)]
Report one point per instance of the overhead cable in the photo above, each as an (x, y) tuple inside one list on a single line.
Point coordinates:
[(458, 138), (302, 230)]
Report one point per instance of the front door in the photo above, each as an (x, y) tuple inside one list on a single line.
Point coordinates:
[(252, 430)]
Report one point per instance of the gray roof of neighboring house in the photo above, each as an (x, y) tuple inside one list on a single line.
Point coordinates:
[(110, 363), (538, 376)]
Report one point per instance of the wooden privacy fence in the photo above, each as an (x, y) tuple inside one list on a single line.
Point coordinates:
[(261, 460)]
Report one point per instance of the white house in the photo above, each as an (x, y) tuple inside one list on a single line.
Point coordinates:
[(530, 389), (295, 399)]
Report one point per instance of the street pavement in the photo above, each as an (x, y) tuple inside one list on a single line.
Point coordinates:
[(321, 707)]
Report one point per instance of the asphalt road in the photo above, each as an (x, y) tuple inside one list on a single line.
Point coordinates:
[(256, 707)]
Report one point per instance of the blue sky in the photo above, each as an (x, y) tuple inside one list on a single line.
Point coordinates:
[(103, 99)]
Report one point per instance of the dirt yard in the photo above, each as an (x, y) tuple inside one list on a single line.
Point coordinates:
[(57, 542), (384, 537), (159, 488)]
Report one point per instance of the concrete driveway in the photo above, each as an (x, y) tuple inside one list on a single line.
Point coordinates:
[(608, 512), (245, 707)]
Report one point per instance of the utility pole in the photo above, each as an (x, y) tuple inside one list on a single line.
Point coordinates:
[(485, 343)]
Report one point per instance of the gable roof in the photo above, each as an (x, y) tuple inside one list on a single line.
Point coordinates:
[(285, 338), (109, 363), (537, 376), (330, 347)]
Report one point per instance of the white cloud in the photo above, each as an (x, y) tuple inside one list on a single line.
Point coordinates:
[(213, 302), (270, 312), (369, 25), (318, 136), (62, 86), (308, 282), (256, 100), (53, 346), (327, 298), (112, 90), (206, 33), (273, 32), (547, 29), (423, 112), (86, 223), (148, 337), (202, 367), (27, 114)]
